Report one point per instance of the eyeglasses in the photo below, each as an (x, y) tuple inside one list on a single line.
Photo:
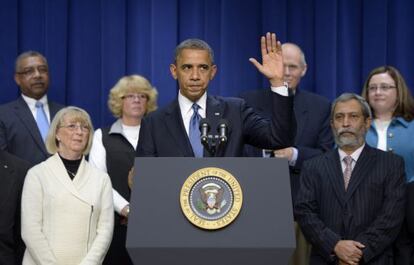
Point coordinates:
[(381, 87), (29, 72), (132, 97), (74, 127)]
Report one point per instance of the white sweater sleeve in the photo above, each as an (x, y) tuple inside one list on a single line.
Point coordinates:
[(97, 155), (32, 221), (97, 158)]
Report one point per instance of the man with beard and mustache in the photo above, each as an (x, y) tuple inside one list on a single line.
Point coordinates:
[(350, 204), (24, 122)]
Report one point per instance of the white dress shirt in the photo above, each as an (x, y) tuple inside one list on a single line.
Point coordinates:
[(187, 110), (31, 102), (381, 128), (97, 157), (355, 155)]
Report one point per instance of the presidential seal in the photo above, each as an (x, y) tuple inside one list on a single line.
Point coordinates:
[(211, 198)]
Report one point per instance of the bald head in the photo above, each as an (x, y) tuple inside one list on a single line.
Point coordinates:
[(293, 48), (294, 64)]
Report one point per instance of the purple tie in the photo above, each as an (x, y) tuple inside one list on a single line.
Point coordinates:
[(348, 170)]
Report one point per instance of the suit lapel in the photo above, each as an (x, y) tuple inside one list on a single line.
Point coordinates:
[(175, 125), (53, 109), (214, 113), (58, 170), (335, 175), (361, 169), (301, 113), (25, 115)]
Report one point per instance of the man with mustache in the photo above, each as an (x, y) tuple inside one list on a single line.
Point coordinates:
[(350, 204), (24, 122)]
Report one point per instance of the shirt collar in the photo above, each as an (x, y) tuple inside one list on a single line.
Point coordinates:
[(31, 102), (186, 104), (400, 120), (355, 155)]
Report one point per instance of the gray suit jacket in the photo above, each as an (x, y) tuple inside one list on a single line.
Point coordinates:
[(19, 134), (371, 211)]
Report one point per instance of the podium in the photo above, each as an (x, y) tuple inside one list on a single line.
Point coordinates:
[(159, 233)]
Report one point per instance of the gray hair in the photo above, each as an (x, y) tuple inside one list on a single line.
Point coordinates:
[(195, 44), (78, 114), (302, 54), (366, 110), (25, 55)]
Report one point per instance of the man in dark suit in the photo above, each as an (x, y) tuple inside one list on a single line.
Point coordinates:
[(168, 132), (20, 132), (351, 201), (313, 134), (12, 173)]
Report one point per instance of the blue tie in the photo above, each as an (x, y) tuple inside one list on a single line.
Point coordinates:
[(41, 120), (194, 132)]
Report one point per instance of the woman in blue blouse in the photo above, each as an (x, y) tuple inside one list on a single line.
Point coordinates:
[(392, 130), (392, 106)]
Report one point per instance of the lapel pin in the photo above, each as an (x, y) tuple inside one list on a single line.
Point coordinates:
[(217, 113)]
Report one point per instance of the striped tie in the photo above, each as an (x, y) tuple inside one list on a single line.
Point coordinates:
[(348, 170)]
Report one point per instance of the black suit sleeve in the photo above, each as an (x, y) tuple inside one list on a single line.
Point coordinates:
[(307, 211), (13, 171), (410, 207), (324, 142), (282, 127), (146, 145), (3, 136), (384, 229)]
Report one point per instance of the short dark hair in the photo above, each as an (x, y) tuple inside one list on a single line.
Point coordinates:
[(25, 55), (195, 44)]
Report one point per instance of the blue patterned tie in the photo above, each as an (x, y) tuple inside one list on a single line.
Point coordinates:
[(41, 120), (194, 132)]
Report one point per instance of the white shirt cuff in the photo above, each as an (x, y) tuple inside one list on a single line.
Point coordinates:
[(281, 90), (292, 162), (119, 201)]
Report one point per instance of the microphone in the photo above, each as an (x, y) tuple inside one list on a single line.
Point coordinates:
[(204, 130), (222, 129)]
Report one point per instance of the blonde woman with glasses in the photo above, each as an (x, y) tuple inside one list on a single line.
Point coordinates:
[(113, 150)]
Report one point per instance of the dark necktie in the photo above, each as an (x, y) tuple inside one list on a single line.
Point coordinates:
[(41, 120), (194, 132)]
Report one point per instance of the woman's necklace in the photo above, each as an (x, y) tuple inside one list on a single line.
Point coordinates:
[(71, 174)]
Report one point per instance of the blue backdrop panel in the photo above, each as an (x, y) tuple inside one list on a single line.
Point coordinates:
[(91, 44)]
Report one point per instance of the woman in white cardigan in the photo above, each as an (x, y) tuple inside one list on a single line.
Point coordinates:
[(67, 209)]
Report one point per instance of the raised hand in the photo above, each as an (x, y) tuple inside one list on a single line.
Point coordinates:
[(272, 59)]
